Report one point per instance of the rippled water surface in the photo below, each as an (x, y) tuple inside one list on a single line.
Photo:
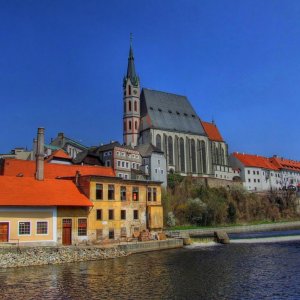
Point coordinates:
[(235, 271)]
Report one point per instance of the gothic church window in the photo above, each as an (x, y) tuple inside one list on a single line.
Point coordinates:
[(193, 156), (129, 90), (135, 106), (182, 160), (158, 141), (203, 152), (129, 105), (170, 148)]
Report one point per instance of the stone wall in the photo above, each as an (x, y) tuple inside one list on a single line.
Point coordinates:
[(32, 256)]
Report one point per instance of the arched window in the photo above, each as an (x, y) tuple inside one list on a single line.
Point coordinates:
[(125, 127), (129, 90), (158, 141), (135, 105), (217, 156), (170, 150), (129, 125), (124, 107), (199, 158), (129, 105), (193, 156), (135, 125), (223, 157), (203, 152), (182, 157)]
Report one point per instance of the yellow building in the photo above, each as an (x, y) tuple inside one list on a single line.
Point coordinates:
[(121, 208)]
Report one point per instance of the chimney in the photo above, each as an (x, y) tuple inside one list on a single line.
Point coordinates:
[(34, 148), (39, 174)]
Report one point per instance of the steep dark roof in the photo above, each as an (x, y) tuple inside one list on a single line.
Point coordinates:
[(169, 112), (106, 147), (147, 149), (131, 74)]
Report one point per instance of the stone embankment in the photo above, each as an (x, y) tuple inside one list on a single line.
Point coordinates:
[(33, 256)]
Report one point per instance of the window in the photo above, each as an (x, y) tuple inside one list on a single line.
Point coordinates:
[(129, 125), (162, 171), (110, 214), (99, 214), (135, 106), (111, 192), (123, 232), (123, 193), (156, 171), (149, 194), (135, 125), (111, 234), (127, 165), (123, 164), (258, 180), (154, 194), (120, 175), (254, 180), (118, 163), (107, 163), (129, 90), (257, 172), (123, 214), (82, 227), (24, 228), (126, 176), (99, 191), (253, 172), (135, 214), (158, 141), (170, 149), (135, 194), (248, 171), (249, 180), (42, 227), (133, 165)]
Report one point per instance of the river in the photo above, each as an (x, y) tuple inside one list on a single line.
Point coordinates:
[(235, 271)]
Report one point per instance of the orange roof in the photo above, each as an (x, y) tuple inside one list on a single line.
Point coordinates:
[(26, 191), (287, 164), (249, 160), (59, 154), (13, 167), (212, 131)]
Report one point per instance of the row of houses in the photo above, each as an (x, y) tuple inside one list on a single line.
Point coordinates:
[(51, 201)]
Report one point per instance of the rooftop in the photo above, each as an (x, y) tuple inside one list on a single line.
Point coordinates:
[(26, 191), (212, 131)]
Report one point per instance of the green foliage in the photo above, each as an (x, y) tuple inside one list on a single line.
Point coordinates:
[(193, 203)]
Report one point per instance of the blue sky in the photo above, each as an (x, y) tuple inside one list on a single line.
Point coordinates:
[(62, 65)]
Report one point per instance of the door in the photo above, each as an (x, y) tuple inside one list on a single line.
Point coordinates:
[(4, 226), (67, 232)]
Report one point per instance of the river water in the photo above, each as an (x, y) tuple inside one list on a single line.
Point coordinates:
[(235, 271)]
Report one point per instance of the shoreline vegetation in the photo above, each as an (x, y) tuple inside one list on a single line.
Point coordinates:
[(190, 204)]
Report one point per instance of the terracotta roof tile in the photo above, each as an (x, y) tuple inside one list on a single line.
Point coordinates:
[(286, 164), (212, 131), (26, 191), (13, 167), (249, 160)]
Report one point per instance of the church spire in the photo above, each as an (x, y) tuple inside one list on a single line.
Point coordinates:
[(131, 74)]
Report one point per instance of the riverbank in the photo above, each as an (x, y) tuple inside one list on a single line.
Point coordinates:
[(236, 229), (11, 257)]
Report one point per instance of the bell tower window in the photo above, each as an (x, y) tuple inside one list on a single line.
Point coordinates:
[(135, 125), (135, 106), (129, 90), (129, 125), (129, 105)]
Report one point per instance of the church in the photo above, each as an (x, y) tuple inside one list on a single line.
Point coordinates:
[(170, 123)]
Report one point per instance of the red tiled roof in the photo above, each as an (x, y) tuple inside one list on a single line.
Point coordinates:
[(249, 160), (26, 191), (13, 167), (59, 154), (212, 131), (286, 164)]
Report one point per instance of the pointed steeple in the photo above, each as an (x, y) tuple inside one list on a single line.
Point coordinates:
[(131, 74)]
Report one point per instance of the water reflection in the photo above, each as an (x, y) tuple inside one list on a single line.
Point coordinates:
[(235, 271)]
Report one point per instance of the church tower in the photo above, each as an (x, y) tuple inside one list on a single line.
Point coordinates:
[(131, 101)]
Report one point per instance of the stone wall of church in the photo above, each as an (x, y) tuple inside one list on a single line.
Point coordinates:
[(185, 153)]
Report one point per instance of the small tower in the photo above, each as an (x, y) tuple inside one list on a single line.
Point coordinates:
[(131, 101)]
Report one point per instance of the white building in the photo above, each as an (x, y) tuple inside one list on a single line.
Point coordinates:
[(260, 173)]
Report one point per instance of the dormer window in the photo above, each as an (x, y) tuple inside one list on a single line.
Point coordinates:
[(159, 110), (169, 111), (178, 113), (185, 114)]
